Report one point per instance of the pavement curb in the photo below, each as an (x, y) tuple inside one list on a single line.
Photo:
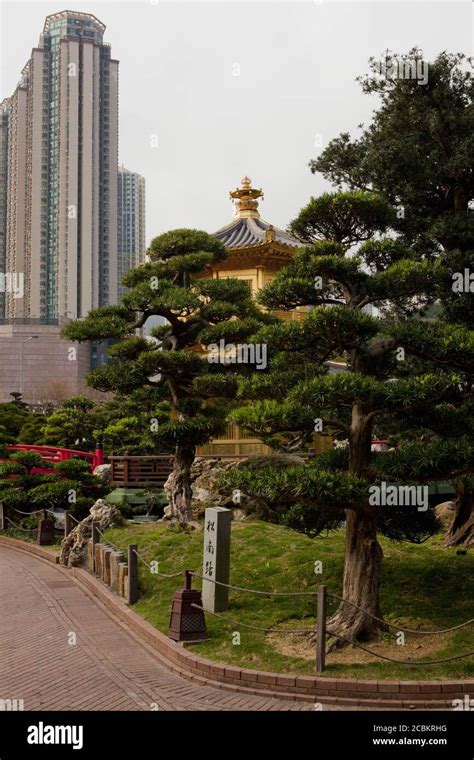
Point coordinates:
[(24, 546)]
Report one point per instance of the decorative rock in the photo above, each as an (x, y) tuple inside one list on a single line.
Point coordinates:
[(445, 513), (104, 472), (207, 490), (464, 534), (74, 546), (167, 512)]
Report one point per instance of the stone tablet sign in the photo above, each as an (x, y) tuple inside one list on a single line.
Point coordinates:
[(216, 562)]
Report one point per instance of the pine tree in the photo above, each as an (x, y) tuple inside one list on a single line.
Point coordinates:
[(400, 367), (419, 153), (174, 367), (71, 425)]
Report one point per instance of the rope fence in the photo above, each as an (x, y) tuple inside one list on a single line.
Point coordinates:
[(42, 529), (107, 541), (74, 518), (139, 557), (254, 591), (289, 631), (19, 527), (321, 595), (45, 530), (399, 627), (43, 511), (320, 630), (270, 629), (399, 662), (133, 558), (15, 526), (156, 572)]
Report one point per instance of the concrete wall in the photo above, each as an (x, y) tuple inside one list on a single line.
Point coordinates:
[(36, 362)]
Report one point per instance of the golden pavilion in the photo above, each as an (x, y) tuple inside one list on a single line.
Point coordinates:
[(256, 249), (256, 252)]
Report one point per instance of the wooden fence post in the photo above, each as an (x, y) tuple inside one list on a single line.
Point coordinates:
[(67, 522), (95, 540), (321, 630), (132, 594), (2, 517), (188, 580)]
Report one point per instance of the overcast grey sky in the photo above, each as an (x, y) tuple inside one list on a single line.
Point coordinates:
[(235, 88)]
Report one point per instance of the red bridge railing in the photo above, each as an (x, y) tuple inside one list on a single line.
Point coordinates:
[(55, 454)]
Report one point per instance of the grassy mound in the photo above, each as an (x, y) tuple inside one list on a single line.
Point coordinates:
[(424, 586)]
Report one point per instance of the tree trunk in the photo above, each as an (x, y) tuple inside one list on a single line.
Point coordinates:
[(362, 564), (461, 530), (363, 556), (181, 493)]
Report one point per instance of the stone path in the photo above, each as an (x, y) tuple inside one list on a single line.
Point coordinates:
[(41, 611)]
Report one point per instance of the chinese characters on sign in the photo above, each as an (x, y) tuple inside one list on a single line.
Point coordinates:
[(216, 562)]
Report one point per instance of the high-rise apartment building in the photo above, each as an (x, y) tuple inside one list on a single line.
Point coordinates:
[(131, 236), (3, 199), (59, 136)]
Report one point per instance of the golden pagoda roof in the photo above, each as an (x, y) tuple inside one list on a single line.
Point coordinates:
[(248, 228)]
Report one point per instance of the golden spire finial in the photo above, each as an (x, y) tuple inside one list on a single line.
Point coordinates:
[(246, 199)]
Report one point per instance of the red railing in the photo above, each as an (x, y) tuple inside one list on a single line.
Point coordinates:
[(55, 454)]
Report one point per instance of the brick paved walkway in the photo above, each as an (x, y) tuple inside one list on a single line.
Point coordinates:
[(107, 669)]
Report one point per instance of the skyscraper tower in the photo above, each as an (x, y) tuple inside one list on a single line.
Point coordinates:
[(62, 155), (3, 198), (131, 236)]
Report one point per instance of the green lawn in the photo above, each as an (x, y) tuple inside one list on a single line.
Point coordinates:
[(423, 586)]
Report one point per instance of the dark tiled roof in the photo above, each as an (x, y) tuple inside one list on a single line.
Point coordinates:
[(251, 231)]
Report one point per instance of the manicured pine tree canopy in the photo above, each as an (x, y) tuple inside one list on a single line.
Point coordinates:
[(419, 154), (172, 369)]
